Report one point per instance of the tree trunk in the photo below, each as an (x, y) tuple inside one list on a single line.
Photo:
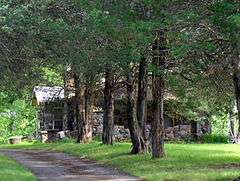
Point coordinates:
[(76, 114), (142, 102), (65, 108), (236, 80), (87, 137), (157, 128), (83, 110), (233, 123), (72, 114), (69, 92), (79, 106), (108, 116), (138, 142), (65, 115)]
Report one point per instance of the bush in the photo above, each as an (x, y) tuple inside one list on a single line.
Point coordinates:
[(214, 138), (17, 118)]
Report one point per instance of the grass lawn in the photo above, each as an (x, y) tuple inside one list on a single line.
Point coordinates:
[(11, 171), (183, 162)]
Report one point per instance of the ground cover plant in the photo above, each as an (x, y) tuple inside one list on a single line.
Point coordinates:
[(12, 171), (183, 161)]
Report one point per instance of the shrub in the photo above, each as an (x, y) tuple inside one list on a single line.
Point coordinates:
[(214, 138), (17, 118)]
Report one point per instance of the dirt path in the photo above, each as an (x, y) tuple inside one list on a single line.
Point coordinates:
[(52, 166)]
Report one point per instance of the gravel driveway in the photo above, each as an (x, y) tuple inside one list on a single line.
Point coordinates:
[(53, 166)]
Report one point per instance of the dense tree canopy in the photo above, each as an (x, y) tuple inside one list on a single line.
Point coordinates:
[(39, 39)]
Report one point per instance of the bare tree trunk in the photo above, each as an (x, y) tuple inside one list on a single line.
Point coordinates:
[(83, 110), (233, 123), (79, 106), (77, 117), (108, 116), (65, 108), (142, 101), (157, 128), (76, 109), (69, 92), (65, 115), (87, 137), (134, 128), (236, 80), (72, 114)]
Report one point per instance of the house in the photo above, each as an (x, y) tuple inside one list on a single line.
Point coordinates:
[(56, 113), (50, 104)]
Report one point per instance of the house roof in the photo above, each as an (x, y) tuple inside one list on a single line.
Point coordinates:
[(47, 94)]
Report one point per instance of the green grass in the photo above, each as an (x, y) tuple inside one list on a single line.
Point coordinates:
[(11, 171), (186, 162)]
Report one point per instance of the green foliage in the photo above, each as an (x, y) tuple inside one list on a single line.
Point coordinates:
[(220, 124), (39, 38), (214, 138), (227, 16), (17, 118), (52, 76)]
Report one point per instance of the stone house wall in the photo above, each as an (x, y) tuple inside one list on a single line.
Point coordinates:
[(122, 133)]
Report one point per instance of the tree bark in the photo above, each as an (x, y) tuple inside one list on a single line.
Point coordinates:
[(82, 103), (79, 109), (87, 129), (236, 80), (69, 92), (233, 133), (142, 102), (65, 108), (158, 83), (65, 115), (138, 142), (108, 116)]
